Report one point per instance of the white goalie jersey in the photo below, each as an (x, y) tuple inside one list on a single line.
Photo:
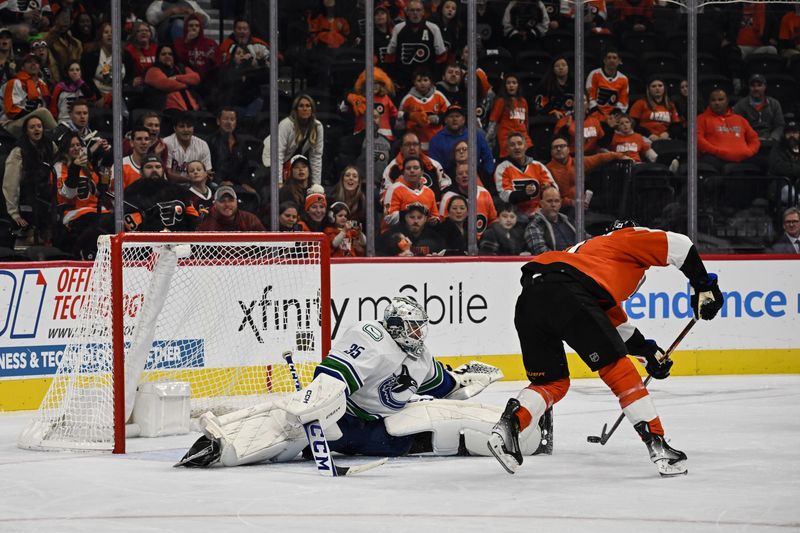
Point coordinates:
[(380, 377)]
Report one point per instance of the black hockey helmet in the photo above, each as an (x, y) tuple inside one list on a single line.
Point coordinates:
[(620, 223)]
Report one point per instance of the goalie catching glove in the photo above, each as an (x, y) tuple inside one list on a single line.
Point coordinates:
[(472, 378), (706, 298)]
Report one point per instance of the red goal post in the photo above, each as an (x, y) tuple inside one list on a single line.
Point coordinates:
[(211, 310)]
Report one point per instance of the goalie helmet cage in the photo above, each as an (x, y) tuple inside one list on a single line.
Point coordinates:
[(215, 310)]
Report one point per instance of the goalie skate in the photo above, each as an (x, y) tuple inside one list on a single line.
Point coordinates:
[(669, 461), (504, 440)]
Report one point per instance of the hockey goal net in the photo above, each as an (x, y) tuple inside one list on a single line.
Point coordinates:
[(214, 310)]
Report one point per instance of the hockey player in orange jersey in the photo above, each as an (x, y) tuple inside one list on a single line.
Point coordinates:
[(575, 297)]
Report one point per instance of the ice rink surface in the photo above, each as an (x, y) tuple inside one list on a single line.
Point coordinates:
[(741, 434)]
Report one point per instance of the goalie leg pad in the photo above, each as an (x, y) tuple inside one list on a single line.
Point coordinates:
[(447, 420)]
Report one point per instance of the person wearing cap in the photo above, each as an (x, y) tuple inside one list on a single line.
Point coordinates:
[(432, 172), (408, 189), (422, 238), (784, 159), (154, 204), (26, 93), (295, 187), (225, 214), (455, 129), (763, 112), (722, 135), (314, 217), (184, 146)]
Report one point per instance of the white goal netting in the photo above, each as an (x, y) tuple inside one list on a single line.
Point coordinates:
[(214, 314)]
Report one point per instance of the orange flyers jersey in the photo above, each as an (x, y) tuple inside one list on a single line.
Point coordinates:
[(617, 261), (592, 132), (510, 119), (130, 171), (485, 212), (632, 145), (415, 111), (400, 195), (508, 178), (433, 175), (657, 120), (75, 202), (607, 93)]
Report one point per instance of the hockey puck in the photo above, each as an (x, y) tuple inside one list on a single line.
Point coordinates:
[(593, 438)]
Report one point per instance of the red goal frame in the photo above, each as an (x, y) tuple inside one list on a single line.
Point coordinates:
[(117, 330)]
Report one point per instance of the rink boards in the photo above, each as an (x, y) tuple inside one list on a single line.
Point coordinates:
[(470, 304)]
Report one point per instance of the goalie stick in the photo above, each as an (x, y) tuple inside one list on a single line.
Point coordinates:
[(603, 438), (319, 445)]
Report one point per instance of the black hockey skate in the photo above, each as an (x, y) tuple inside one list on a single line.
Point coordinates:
[(504, 440), (203, 453), (670, 462)]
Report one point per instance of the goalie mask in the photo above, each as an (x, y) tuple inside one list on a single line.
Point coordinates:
[(407, 323)]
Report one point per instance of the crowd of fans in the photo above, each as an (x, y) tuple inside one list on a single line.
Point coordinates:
[(197, 140)]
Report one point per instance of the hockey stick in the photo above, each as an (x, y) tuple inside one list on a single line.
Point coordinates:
[(603, 438), (318, 443)]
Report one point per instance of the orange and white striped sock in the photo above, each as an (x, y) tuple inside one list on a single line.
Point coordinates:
[(623, 380), (535, 399)]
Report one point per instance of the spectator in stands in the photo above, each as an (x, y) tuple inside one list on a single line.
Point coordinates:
[(607, 87), (763, 112), (239, 83), (415, 43), (243, 37), (63, 46), (562, 167), (441, 146), (184, 146), (132, 164), (753, 28), (631, 144), (505, 236), (554, 94), (195, 50), (509, 114), (597, 130), (595, 16), (100, 150), (348, 191), (485, 210), (153, 203), (288, 215), (789, 242), (168, 17), (682, 102), (722, 135), (453, 228), (789, 33), (421, 110), (96, 65), (409, 189), (550, 230), (26, 182), (633, 16), (355, 104), (413, 234), (432, 173), (299, 134), (520, 179), (315, 214), (50, 69), (83, 28), (171, 85), (227, 153), (79, 192), (344, 232), (327, 27), (25, 19), (26, 94), (295, 186), (454, 87), (489, 24), (784, 159), (381, 152), (524, 23), (8, 64), (139, 54), (70, 88), (453, 27), (656, 116), (151, 120), (225, 214), (201, 196)]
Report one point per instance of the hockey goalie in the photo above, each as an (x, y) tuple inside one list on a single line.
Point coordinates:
[(379, 392)]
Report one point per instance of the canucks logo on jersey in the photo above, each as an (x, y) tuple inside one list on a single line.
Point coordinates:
[(396, 385)]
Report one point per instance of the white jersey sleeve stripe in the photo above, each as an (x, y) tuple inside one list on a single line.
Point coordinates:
[(678, 247)]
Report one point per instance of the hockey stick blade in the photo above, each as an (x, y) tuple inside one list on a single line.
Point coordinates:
[(357, 469)]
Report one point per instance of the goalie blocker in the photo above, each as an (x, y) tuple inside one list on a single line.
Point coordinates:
[(273, 431)]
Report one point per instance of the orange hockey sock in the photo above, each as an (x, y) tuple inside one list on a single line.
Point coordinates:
[(623, 380)]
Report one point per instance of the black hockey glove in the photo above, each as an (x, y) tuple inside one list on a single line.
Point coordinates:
[(171, 212), (706, 298), (649, 356)]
